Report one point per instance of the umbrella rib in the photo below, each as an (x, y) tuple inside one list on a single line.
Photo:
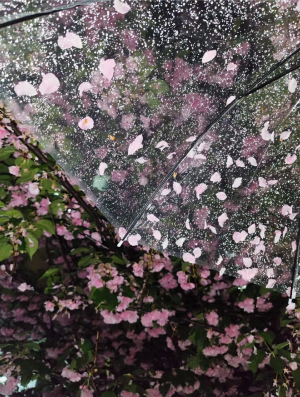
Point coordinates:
[(27, 17), (295, 270), (255, 87)]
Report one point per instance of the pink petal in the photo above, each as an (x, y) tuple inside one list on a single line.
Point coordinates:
[(229, 161), (266, 136), (197, 252), (157, 234), (71, 40), (248, 274), (216, 177), (252, 161), (271, 283), (270, 272), (240, 163), (277, 236), (212, 229), (290, 159), (247, 262), (231, 66), (285, 135), (180, 242), (25, 88), (14, 170), (165, 192), (177, 187), (165, 243), (102, 168), (134, 239), (191, 138), (251, 228), (221, 196), (187, 224), (188, 257), (122, 232), (86, 124), (292, 85), (262, 182), (106, 67), (277, 261), (135, 145), (237, 183), (152, 218), (49, 84), (86, 86), (162, 145), (230, 99), (121, 7), (200, 189), (141, 160), (209, 56), (222, 219), (239, 236)]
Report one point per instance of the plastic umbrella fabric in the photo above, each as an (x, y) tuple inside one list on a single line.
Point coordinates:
[(179, 119)]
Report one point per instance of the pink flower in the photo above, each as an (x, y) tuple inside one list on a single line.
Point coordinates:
[(212, 318), (127, 122), (168, 282), (125, 393), (70, 40), (33, 189), (213, 351), (87, 393), (49, 306), (130, 316), (23, 287), (96, 236), (86, 124), (232, 331), (71, 375), (9, 387), (293, 366), (14, 170), (49, 84), (111, 318), (138, 270), (156, 332), (248, 274), (247, 305), (125, 302)]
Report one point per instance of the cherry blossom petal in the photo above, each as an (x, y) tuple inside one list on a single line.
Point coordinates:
[(270, 272), (197, 252), (239, 236), (252, 228), (165, 192), (134, 239), (84, 87), (180, 241), (212, 229), (229, 161), (247, 262), (107, 67), (252, 161), (102, 168), (135, 145), (237, 183), (222, 271), (25, 88), (277, 236), (122, 232), (221, 196), (292, 85), (141, 160), (222, 219), (231, 66), (165, 243), (230, 99), (271, 283), (290, 159), (285, 135), (209, 56), (152, 218), (216, 177), (157, 234), (177, 187), (162, 145), (86, 124), (248, 274), (121, 7), (49, 84), (70, 40), (187, 224), (200, 189), (189, 258), (191, 138), (240, 163), (265, 134), (263, 229), (277, 261), (262, 182)]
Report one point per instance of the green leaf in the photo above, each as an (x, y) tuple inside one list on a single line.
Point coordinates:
[(12, 213), (199, 338), (256, 359), (45, 224), (87, 260), (56, 206), (2, 204), (282, 391), (108, 394), (6, 151), (118, 260), (32, 244), (50, 272), (127, 291), (27, 176), (87, 346), (80, 250), (277, 363), (268, 336), (103, 295), (281, 345), (32, 346), (6, 249), (296, 375)]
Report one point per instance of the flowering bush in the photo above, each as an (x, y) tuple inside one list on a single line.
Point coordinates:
[(83, 317)]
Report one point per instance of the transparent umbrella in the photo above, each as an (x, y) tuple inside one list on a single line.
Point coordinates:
[(179, 119)]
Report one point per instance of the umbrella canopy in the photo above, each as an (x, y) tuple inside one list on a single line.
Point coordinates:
[(180, 120)]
